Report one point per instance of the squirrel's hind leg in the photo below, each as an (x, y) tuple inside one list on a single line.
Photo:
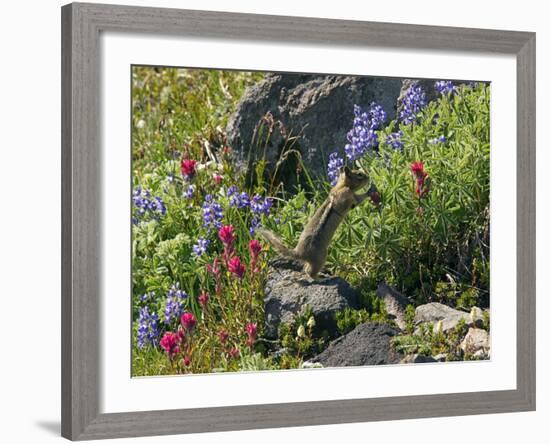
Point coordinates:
[(312, 270)]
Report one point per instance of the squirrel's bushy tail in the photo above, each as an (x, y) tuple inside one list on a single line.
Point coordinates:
[(277, 243)]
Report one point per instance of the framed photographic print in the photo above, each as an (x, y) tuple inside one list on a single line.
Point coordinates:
[(278, 221)]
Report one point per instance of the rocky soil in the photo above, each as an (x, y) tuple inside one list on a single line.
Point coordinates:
[(289, 291)]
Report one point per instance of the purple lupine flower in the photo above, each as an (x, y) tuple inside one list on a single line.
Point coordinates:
[(254, 224), (259, 206), (147, 297), (362, 137), (444, 87), (472, 84), (157, 205), (377, 116), (201, 246), (412, 103), (146, 207), (148, 331), (335, 162), (239, 200), (436, 140), (189, 191), (395, 140), (212, 213), (232, 190), (174, 303)]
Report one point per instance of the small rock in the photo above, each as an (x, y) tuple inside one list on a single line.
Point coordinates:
[(441, 357), (434, 312), (476, 314), (367, 344), (395, 303), (416, 359), (288, 291), (481, 355), (309, 364), (476, 340)]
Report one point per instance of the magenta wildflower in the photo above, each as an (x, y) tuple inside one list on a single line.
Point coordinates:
[(169, 343), (236, 267), (203, 299), (188, 168), (188, 321)]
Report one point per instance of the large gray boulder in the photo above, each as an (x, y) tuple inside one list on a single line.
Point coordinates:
[(288, 291), (446, 317), (368, 344), (317, 108)]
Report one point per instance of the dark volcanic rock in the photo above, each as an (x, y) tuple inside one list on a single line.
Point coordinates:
[(367, 344), (417, 359), (289, 291), (317, 108)]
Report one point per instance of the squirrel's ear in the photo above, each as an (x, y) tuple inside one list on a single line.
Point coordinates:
[(345, 170)]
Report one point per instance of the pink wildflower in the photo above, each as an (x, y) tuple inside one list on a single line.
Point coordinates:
[(255, 249), (420, 175), (223, 335), (251, 330), (169, 343), (188, 321), (188, 168), (214, 268), (203, 299), (227, 235), (236, 267)]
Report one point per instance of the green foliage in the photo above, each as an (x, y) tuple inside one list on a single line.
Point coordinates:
[(348, 319), (430, 340), (415, 242), (300, 339), (409, 318)]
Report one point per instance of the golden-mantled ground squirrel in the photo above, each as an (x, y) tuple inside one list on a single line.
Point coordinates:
[(312, 246)]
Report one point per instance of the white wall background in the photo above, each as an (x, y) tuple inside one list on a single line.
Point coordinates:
[(30, 220)]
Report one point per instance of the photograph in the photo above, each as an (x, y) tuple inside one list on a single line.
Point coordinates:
[(302, 221)]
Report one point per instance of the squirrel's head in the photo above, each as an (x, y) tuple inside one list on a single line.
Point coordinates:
[(356, 179), (353, 179)]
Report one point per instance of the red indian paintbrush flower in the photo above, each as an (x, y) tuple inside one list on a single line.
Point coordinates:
[(214, 268), (186, 361), (223, 335), (188, 321), (417, 168), (255, 248), (203, 299), (188, 168), (251, 330), (236, 267), (227, 234), (169, 343), (421, 176)]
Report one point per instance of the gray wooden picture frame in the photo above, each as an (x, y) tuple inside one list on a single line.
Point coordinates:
[(81, 234)]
